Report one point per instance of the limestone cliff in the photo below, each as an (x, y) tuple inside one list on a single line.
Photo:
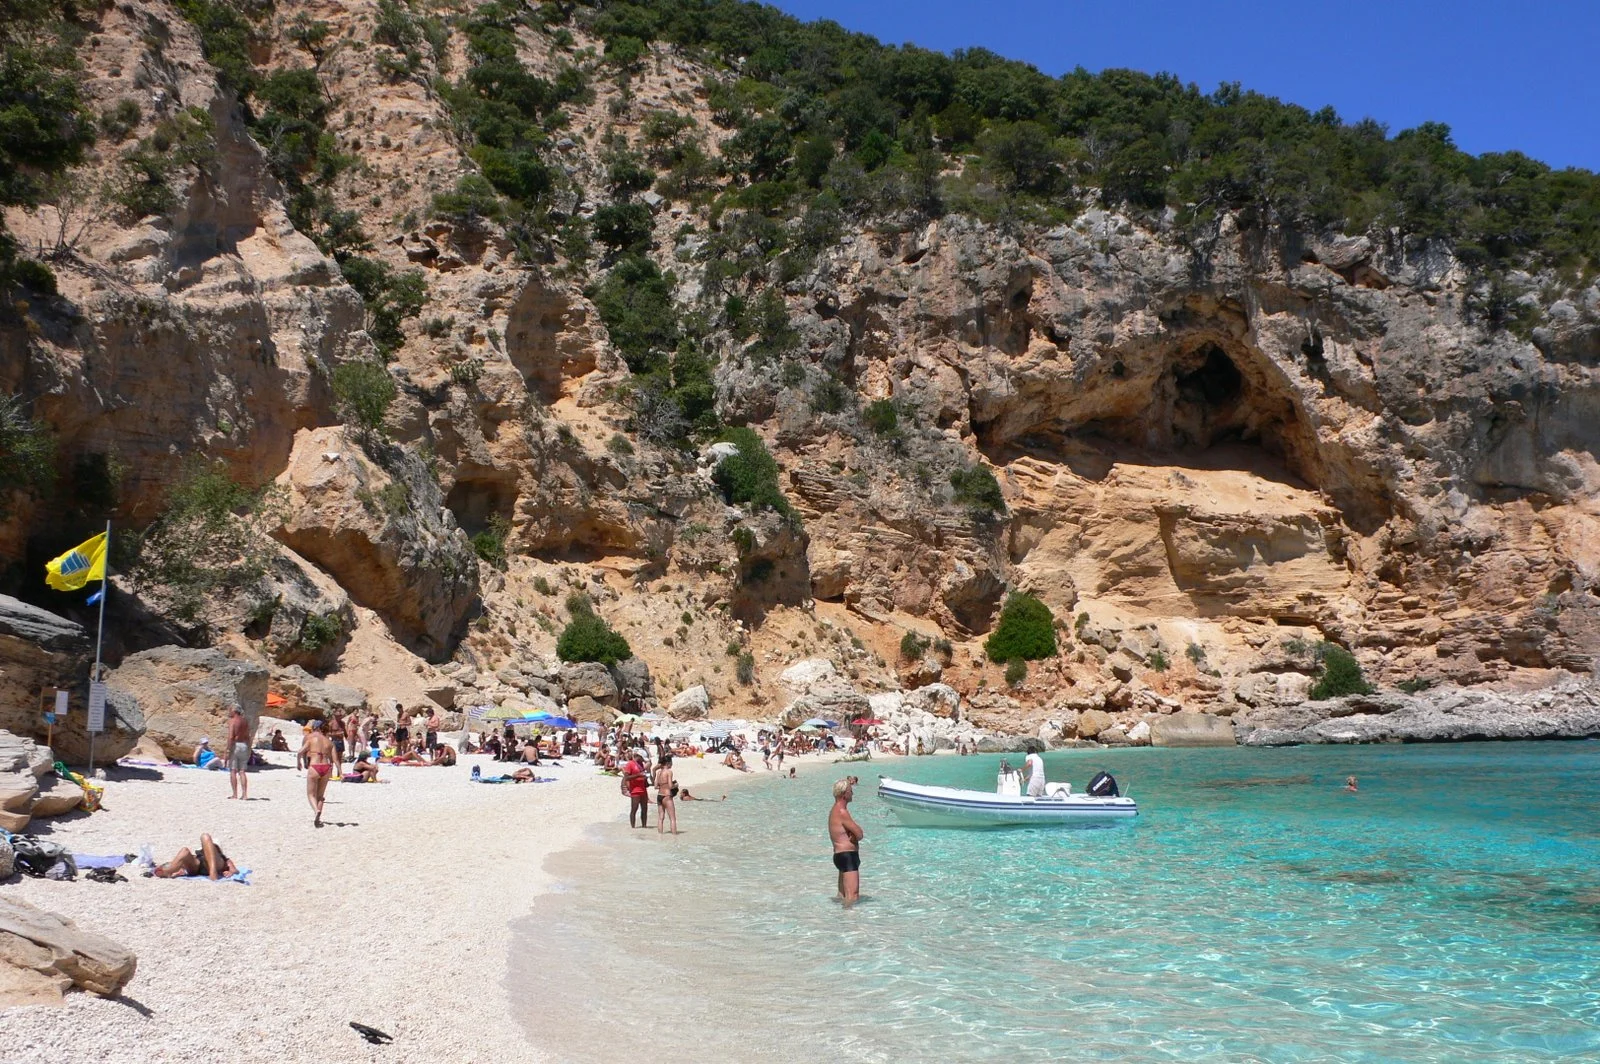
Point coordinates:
[(1213, 454)]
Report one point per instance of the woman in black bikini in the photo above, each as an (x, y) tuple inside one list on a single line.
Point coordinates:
[(666, 796)]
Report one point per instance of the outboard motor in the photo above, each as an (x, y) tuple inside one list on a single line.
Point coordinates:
[(1104, 785)]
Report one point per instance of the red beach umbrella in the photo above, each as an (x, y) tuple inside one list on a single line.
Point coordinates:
[(866, 720)]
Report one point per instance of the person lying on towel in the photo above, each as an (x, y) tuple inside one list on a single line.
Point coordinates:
[(210, 861)]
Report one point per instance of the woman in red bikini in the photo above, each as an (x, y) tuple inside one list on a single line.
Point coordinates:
[(320, 762)]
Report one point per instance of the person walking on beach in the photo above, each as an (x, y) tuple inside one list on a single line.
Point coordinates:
[(320, 762), (666, 795), (636, 785), (238, 755), (435, 722), (846, 836)]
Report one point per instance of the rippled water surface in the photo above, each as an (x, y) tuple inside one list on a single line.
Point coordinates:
[(1254, 911)]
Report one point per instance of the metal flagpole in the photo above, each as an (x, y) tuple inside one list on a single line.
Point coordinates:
[(99, 633)]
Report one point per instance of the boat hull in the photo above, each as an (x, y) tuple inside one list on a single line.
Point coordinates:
[(919, 806)]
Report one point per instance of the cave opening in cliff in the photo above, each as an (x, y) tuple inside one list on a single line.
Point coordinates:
[(1204, 401), (1217, 382), (477, 500)]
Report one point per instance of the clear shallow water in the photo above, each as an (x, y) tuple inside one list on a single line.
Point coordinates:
[(1450, 911)]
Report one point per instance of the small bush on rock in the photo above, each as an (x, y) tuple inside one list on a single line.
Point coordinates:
[(589, 638), (745, 670), (1026, 631), (751, 474), (364, 390), (1341, 674), (912, 646), (320, 630), (977, 490), (1016, 672), (490, 544)]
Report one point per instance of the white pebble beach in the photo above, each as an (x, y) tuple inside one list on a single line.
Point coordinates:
[(395, 914)]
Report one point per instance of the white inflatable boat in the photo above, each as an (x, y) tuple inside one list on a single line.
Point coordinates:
[(921, 806)]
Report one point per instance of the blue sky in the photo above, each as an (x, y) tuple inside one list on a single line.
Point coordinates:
[(1508, 75)]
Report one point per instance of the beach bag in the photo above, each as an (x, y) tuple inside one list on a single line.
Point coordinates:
[(37, 857)]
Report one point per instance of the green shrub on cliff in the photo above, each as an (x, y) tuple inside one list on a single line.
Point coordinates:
[(27, 451), (1026, 631), (750, 474), (589, 638), (1341, 674), (364, 390), (976, 488)]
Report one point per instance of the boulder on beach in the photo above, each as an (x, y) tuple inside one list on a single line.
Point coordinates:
[(188, 694), (264, 729), (21, 754), (632, 676), (43, 955), (1092, 722), (1189, 728), (938, 699), (40, 651), (692, 703), (306, 697), (586, 710), (802, 676), (590, 679), (56, 797)]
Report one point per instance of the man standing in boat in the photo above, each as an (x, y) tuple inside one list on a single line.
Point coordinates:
[(846, 835), (1033, 771)]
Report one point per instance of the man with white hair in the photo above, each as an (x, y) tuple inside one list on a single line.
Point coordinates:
[(846, 835)]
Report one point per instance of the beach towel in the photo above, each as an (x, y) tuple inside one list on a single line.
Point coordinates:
[(513, 779), (89, 860), (241, 876)]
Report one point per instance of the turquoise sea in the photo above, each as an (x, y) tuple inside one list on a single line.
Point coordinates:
[(1449, 911)]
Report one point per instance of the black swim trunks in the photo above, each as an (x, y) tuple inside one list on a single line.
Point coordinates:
[(847, 860)]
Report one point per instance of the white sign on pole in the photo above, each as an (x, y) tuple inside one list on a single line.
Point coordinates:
[(61, 704), (97, 707)]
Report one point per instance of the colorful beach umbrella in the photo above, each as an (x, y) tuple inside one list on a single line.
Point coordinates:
[(505, 712), (818, 722), (866, 721)]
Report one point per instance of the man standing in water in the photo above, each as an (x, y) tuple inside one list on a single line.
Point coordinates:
[(846, 835), (636, 785), (321, 760), (238, 755)]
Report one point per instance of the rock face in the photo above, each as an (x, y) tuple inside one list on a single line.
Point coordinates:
[(43, 955), (1569, 711), (1191, 729), (385, 534), (188, 694)]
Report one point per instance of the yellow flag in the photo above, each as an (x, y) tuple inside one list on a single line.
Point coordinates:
[(80, 565)]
